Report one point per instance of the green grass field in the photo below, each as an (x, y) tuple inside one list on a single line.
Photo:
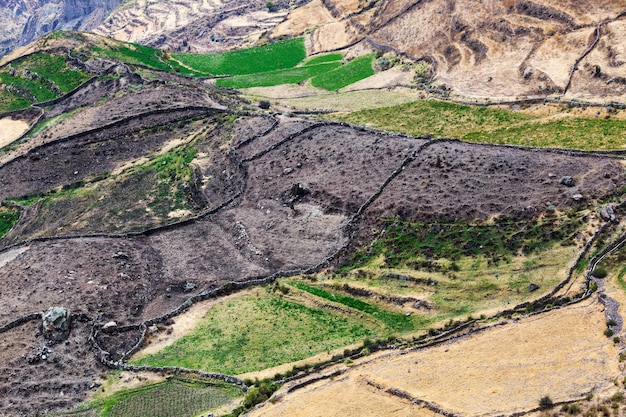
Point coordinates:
[(492, 125), (274, 56), (254, 333), (395, 321), (355, 70), (287, 76), (55, 69), (136, 54), (38, 90), (175, 397), (10, 101), (320, 59)]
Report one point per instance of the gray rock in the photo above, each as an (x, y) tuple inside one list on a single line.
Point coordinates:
[(56, 324), (109, 327), (608, 213), (568, 181), (577, 197), (533, 287)]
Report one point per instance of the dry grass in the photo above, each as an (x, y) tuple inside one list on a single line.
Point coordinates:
[(502, 370)]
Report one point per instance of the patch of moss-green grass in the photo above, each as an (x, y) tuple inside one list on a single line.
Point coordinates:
[(53, 68), (320, 59), (395, 321), (279, 77), (571, 132), (10, 101), (31, 88), (174, 397), (136, 54), (8, 218), (271, 57), (405, 241), (494, 125), (355, 70), (252, 333)]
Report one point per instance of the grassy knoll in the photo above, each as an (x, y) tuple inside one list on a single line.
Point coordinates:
[(174, 397), (253, 333), (356, 70), (53, 68), (493, 125), (274, 56), (278, 77)]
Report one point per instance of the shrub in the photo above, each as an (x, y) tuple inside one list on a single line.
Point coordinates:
[(599, 272), (608, 332), (545, 402)]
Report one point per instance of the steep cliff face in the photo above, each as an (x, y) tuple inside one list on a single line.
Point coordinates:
[(22, 21)]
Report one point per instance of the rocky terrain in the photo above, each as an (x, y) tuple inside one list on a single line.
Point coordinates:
[(23, 21), (128, 232)]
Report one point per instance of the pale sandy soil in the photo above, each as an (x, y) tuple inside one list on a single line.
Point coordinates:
[(6, 257), (502, 370), (339, 102), (11, 130), (384, 79)]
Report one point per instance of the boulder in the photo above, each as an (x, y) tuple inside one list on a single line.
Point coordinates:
[(109, 327), (56, 324), (533, 287), (568, 181), (608, 213)]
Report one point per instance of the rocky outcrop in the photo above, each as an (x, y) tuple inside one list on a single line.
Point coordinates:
[(56, 324), (22, 21)]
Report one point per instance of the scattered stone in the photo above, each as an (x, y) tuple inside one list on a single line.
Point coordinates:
[(287, 171), (577, 197), (264, 104), (298, 190), (533, 287), (568, 181), (190, 286), (528, 71), (608, 213), (109, 327), (56, 324), (121, 255)]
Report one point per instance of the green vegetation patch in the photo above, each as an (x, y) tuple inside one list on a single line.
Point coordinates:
[(175, 397), (11, 101), (8, 218), (31, 90), (405, 241), (493, 125), (274, 56), (393, 320), (320, 59), (53, 68), (355, 70), (136, 54), (279, 77), (254, 333)]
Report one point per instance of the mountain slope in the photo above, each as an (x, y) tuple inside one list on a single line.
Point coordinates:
[(22, 21)]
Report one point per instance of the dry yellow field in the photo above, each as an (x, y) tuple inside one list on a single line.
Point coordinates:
[(501, 370)]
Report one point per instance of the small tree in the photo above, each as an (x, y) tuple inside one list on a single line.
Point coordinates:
[(271, 7)]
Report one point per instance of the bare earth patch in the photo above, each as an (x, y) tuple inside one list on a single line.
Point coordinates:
[(11, 130), (562, 354)]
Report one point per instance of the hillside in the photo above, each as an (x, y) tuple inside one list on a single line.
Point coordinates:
[(209, 251), (23, 21)]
